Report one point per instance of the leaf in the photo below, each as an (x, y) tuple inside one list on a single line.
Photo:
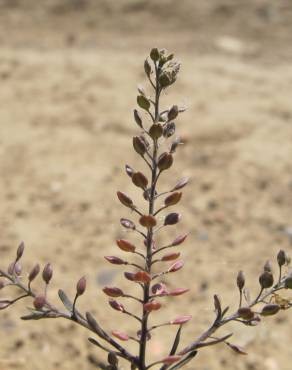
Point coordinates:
[(176, 342), (187, 359), (217, 305), (33, 316)]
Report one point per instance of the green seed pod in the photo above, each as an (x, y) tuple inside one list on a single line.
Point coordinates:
[(138, 118), (266, 280), (143, 102), (154, 54), (165, 161), (270, 309), (164, 80), (147, 67), (172, 113), (156, 131)]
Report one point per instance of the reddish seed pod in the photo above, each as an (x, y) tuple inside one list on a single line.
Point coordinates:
[(245, 313), (129, 275), (116, 305), (81, 286), (120, 335), (20, 251), (113, 291), (140, 180), (172, 199), (142, 277), (170, 256), (139, 145), (47, 273), (156, 131), (147, 221), (181, 320), (114, 260), (125, 245), (172, 219), (179, 240), (39, 302), (125, 200), (152, 306), (34, 273), (165, 161), (176, 266), (171, 359)]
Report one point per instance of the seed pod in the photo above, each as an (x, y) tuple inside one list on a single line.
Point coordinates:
[(125, 200), (170, 256), (140, 180), (245, 313), (113, 291), (122, 336), (129, 170), (34, 273), (172, 219), (142, 277), (156, 131), (147, 221), (39, 302), (81, 286), (47, 273), (268, 266), (176, 266), (129, 275), (159, 289), (169, 130), (143, 102), (179, 240), (116, 305), (125, 245), (154, 54), (165, 161), (171, 359), (112, 359), (152, 306), (20, 251), (178, 291), (165, 80), (127, 224), (281, 258), (181, 184), (17, 268), (115, 260), (180, 320), (288, 282), (139, 145), (173, 112), (270, 309), (240, 280), (138, 118), (266, 280), (172, 199), (147, 67)]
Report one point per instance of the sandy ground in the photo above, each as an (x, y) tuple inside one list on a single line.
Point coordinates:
[(68, 78)]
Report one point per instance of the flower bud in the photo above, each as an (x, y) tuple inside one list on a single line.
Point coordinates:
[(240, 280), (169, 360), (173, 112), (138, 118), (266, 280), (245, 313), (140, 180), (147, 221), (143, 102), (181, 184), (20, 251), (177, 291), (81, 286), (179, 240), (172, 199), (180, 320), (114, 260), (34, 273), (156, 131), (47, 273), (17, 268), (176, 266), (147, 67), (281, 258), (142, 277), (268, 266), (39, 302), (125, 200), (139, 145), (170, 256), (125, 245), (116, 305), (122, 336), (127, 224), (171, 219), (152, 306), (129, 170), (154, 54), (270, 309), (113, 292), (165, 161)]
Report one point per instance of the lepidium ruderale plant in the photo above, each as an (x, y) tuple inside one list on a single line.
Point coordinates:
[(148, 262)]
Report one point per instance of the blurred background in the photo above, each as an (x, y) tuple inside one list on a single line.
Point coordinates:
[(68, 76)]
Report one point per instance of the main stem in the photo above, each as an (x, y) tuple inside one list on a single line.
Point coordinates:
[(148, 263)]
